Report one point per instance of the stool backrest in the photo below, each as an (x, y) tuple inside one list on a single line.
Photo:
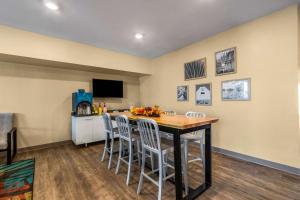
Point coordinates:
[(108, 128), (170, 113), (149, 134), (123, 127), (195, 114)]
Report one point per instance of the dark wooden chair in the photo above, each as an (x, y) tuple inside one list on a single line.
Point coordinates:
[(8, 136)]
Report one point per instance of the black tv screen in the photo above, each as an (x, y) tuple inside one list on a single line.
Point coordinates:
[(107, 88)]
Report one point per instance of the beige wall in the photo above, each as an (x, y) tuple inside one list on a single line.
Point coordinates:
[(31, 45), (41, 98), (267, 52)]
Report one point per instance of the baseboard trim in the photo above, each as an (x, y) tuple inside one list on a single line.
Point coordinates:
[(266, 163), (44, 146)]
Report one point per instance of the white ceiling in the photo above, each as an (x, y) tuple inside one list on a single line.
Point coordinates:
[(166, 24)]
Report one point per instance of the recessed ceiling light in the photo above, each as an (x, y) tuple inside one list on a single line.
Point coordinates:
[(51, 5), (139, 36)]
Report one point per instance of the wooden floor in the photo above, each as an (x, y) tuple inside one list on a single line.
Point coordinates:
[(72, 173)]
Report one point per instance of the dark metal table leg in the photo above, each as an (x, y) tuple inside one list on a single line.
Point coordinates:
[(177, 158), (208, 167)]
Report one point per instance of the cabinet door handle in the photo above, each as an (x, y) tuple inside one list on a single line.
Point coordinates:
[(88, 119)]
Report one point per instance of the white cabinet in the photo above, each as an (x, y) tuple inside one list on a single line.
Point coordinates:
[(87, 129), (98, 132)]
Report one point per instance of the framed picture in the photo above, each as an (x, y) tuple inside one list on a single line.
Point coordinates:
[(182, 93), (236, 90), (195, 69), (226, 61), (203, 94)]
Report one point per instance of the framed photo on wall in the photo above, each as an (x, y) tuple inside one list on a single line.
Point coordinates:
[(226, 61), (236, 90), (183, 93), (203, 94), (195, 69)]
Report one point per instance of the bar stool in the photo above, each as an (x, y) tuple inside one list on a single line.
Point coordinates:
[(185, 166), (111, 133), (194, 137), (150, 138), (125, 135)]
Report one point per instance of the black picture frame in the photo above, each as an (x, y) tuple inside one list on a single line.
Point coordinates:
[(195, 70), (226, 61)]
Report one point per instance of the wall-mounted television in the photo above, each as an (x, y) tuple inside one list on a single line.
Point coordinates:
[(107, 88)]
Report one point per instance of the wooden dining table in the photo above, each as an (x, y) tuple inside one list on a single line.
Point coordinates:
[(178, 125)]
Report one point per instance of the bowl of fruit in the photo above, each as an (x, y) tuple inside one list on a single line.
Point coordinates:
[(146, 111), (137, 111)]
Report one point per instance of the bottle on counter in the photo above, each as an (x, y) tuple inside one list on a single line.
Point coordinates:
[(104, 108), (95, 109), (100, 109), (88, 110)]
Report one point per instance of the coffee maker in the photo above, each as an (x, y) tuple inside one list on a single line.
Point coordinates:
[(82, 103)]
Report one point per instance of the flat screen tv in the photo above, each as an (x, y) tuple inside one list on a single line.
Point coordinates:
[(107, 88)]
